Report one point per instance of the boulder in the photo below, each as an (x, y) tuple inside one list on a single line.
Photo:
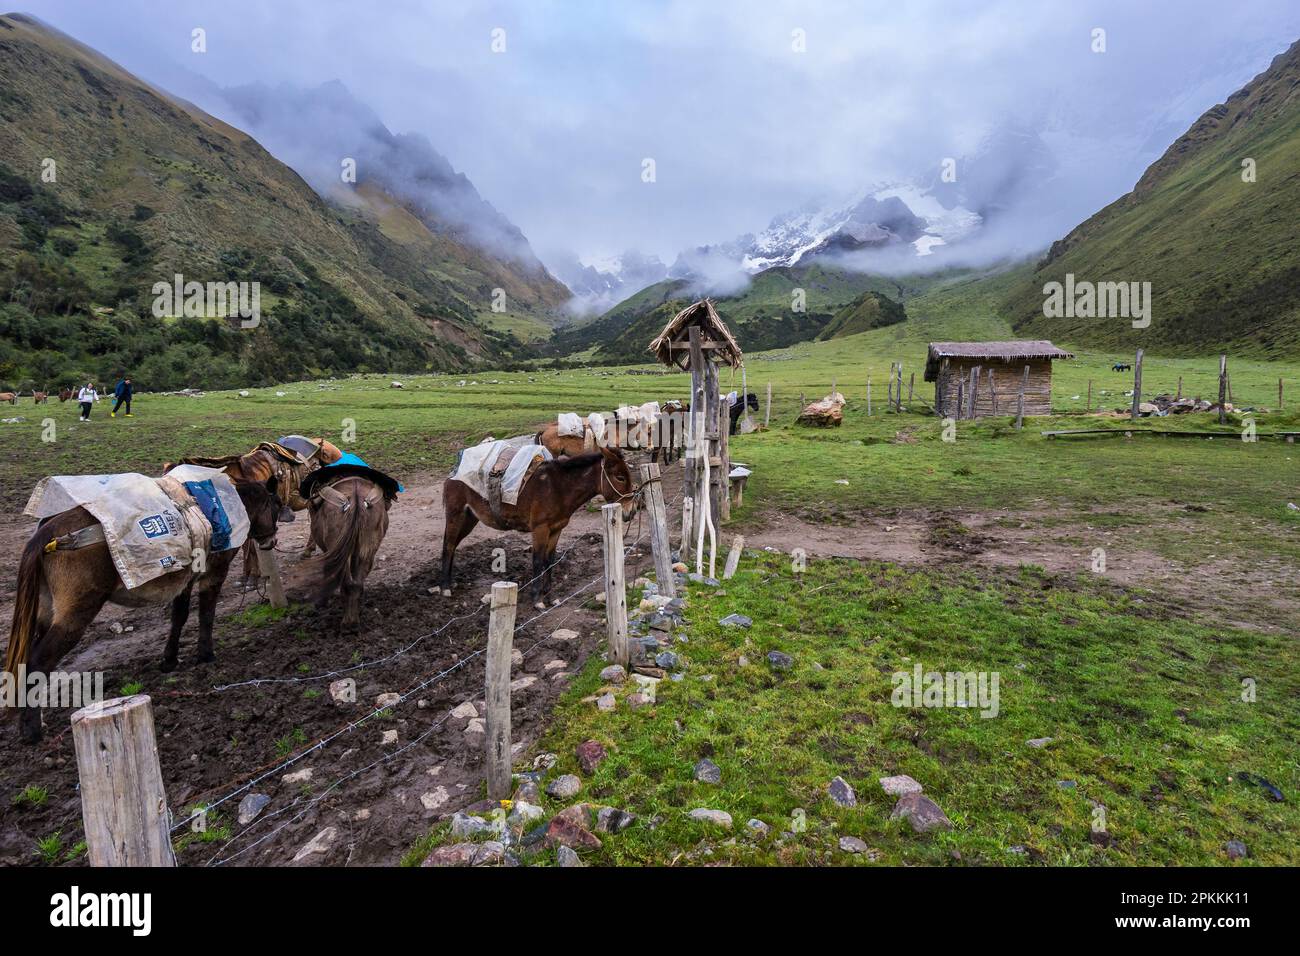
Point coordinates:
[(706, 771), (921, 812), (716, 817), (564, 787), (466, 854), (899, 785), (842, 793), (590, 753)]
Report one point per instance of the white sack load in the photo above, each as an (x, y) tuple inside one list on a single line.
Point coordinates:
[(570, 424), (519, 455)]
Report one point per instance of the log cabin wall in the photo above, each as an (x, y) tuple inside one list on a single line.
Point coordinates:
[(1006, 378)]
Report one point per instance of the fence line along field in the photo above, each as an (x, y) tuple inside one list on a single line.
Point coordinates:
[(762, 699)]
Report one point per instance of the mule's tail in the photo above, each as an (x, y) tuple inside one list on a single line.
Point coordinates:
[(339, 564), (27, 600)]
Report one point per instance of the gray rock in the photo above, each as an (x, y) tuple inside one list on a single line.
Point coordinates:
[(667, 660), (251, 806), (704, 579), (465, 827), (850, 844), (1038, 742), (899, 785), (567, 856), (706, 771), (562, 788), (842, 793), (606, 702), (717, 817), (467, 854), (320, 844), (779, 661), (1236, 850), (921, 812), (736, 620), (614, 674), (1066, 784), (613, 820), (758, 827)]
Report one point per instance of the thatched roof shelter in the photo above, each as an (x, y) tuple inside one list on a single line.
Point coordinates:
[(1004, 352), (671, 346)]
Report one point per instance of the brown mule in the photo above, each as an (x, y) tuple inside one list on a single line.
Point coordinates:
[(548, 500), (10, 397), (64, 395), (60, 592), (349, 518), (40, 398)]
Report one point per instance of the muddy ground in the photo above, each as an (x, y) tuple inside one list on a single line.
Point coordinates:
[(379, 797)]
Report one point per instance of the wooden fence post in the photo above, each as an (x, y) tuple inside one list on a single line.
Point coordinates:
[(733, 558), (688, 516), (898, 392), (123, 802), (1223, 387), (1137, 385), (653, 492), (889, 391), (1089, 405), (615, 587), (1020, 401), (501, 634), (868, 396), (910, 383), (767, 417), (269, 562), (1180, 388), (1279, 394)]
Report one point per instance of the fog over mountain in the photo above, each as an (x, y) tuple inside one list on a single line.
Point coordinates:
[(843, 113)]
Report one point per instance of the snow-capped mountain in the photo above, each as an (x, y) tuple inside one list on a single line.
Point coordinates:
[(600, 282)]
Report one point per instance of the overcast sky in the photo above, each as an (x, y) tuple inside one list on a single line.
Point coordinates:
[(741, 125)]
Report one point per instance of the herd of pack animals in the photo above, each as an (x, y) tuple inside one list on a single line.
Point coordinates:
[(63, 583)]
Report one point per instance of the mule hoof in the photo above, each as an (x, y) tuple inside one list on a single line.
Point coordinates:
[(167, 666), (204, 658)]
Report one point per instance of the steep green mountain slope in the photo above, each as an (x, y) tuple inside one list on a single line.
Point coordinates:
[(1222, 254), (871, 310), (108, 186), (761, 316)]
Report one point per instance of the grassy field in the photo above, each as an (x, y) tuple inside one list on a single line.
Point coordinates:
[(1154, 736)]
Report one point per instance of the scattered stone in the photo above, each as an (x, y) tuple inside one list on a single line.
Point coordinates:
[(522, 683), (1066, 784), (523, 813), (466, 854), (743, 661), (362, 815), (637, 701), (658, 673), (465, 711), (590, 753), (668, 661), (1236, 850), (679, 567), (921, 812), (544, 761), (1038, 742), (704, 579), (567, 856), (758, 827), (717, 817), (298, 776), (899, 785), (613, 820), (565, 787), (779, 661), (606, 702), (464, 826), (614, 674), (736, 620), (569, 828), (251, 806), (343, 691), (476, 726), (528, 791), (516, 657), (706, 771), (320, 844), (564, 634), (384, 701), (435, 798), (842, 793), (851, 844), (388, 739), (557, 664)]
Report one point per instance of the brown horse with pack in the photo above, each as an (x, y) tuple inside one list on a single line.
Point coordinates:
[(534, 492), (349, 504)]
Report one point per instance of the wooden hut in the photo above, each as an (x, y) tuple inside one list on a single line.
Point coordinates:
[(974, 379)]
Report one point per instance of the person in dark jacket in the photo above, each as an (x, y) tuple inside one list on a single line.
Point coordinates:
[(123, 393)]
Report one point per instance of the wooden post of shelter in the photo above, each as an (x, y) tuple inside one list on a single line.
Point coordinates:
[(123, 801), (653, 492), (1223, 388), (1020, 401), (500, 643), (1279, 394), (1137, 385)]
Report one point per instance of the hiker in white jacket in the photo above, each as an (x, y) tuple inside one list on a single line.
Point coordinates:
[(87, 397)]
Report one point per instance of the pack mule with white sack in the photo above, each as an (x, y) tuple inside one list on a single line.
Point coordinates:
[(135, 541), (645, 427), (517, 485)]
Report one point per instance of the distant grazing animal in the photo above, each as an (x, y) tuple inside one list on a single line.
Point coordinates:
[(349, 518), (739, 409), (60, 591), (65, 394), (10, 397), (546, 503), (1122, 367), (40, 398)]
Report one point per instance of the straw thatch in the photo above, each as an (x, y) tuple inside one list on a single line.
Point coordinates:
[(712, 329), (1005, 352)]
